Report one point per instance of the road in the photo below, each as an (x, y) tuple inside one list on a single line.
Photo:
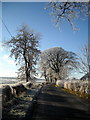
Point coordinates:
[(56, 104)]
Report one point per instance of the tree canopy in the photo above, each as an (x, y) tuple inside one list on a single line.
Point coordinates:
[(56, 62), (69, 11), (24, 48), (84, 60)]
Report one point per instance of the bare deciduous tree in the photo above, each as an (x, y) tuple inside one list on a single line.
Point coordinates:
[(24, 47), (57, 60), (84, 60), (69, 11)]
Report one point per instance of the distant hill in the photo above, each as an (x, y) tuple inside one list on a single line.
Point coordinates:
[(8, 77)]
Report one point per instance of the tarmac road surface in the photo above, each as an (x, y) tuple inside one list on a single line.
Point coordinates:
[(56, 104)]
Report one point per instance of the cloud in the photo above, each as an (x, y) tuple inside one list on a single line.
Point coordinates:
[(1, 47), (8, 72), (7, 66), (11, 62), (8, 59), (5, 56)]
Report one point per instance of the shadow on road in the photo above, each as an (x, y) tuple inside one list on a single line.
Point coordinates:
[(59, 105)]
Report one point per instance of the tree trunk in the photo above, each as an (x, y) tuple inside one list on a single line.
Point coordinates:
[(55, 80), (26, 66), (59, 76), (26, 74)]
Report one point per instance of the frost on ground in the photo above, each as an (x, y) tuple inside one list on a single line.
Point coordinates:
[(16, 105), (82, 87)]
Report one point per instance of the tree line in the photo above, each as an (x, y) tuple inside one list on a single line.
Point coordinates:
[(54, 63)]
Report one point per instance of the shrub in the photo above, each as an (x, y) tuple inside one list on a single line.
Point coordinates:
[(18, 89), (6, 93), (29, 85)]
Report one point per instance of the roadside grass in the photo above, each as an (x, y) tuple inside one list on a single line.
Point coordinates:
[(77, 93), (17, 107)]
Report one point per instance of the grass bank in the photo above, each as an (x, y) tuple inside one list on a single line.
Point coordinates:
[(17, 107), (77, 93)]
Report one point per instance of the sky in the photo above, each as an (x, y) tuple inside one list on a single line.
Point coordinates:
[(33, 14)]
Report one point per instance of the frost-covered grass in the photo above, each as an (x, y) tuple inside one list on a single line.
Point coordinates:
[(77, 87), (18, 105)]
